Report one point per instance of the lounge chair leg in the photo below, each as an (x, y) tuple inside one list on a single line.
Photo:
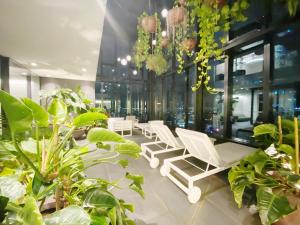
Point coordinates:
[(194, 194), (154, 162), (165, 170)]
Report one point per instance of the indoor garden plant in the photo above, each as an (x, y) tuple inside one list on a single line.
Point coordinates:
[(270, 179), (42, 178)]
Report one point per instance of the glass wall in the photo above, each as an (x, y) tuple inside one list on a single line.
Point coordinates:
[(247, 97), (286, 75)]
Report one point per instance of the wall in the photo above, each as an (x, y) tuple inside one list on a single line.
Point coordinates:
[(88, 87), (18, 85)]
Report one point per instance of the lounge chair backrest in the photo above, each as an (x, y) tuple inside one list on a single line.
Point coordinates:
[(130, 118), (160, 122), (200, 146), (165, 135)]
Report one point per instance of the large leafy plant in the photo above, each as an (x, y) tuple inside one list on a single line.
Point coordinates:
[(272, 175), (38, 170)]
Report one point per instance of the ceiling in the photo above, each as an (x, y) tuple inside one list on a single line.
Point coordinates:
[(53, 38)]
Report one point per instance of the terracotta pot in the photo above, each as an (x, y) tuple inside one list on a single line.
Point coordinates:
[(148, 23), (291, 219), (165, 42), (176, 16), (189, 44)]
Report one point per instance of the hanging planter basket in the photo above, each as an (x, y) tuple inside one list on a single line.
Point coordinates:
[(165, 42), (182, 2), (157, 63), (176, 16), (149, 23), (189, 44)]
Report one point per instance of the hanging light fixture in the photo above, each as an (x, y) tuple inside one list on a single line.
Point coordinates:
[(164, 13)]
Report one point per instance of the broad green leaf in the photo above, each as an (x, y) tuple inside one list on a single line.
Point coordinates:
[(89, 118), (112, 214), (128, 148), (99, 220), (72, 215), (30, 213), (58, 109), (19, 116), (123, 162), (40, 115), (264, 129), (3, 204), (103, 135), (11, 188), (287, 149), (271, 207), (29, 146), (258, 159), (97, 198), (36, 185)]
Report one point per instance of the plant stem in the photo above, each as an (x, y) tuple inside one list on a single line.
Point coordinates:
[(280, 130), (57, 198), (38, 153), (296, 145)]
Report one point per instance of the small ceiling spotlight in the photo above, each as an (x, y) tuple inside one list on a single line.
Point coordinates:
[(123, 74), (154, 42), (83, 70), (33, 64), (128, 57), (119, 85), (164, 13), (124, 62), (24, 73), (134, 72), (113, 70), (164, 33)]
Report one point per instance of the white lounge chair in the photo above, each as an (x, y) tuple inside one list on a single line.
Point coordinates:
[(124, 127), (167, 143), (141, 126), (148, 131), (133, 119), (216, 158)]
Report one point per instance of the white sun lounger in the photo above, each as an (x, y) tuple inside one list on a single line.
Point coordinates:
[(216, 158), (167, 143), (148, 131)]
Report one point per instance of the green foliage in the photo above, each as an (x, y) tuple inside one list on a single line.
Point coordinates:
[(157, 63), (33, 170), (293, 6)]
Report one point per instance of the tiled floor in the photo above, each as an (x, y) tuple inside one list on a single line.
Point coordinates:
[(166, 204)]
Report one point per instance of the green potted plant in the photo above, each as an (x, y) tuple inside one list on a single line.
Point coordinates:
[(272, 175), (39, 169), (157, 63)]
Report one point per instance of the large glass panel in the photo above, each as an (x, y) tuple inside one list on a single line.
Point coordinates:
[(180, 94), (192, 75), (286, 75), (247, 98), (214, 103), (168, 101)]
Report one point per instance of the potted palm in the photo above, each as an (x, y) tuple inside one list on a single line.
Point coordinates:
[(37, 168)]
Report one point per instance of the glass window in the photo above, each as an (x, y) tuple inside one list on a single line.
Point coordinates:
[(247, 98), (286, 73), (191, 78), (214, 103), (180, 95), (168, 101)]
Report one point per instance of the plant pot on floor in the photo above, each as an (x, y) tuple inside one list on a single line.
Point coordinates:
[(176, 16), (189, 44), (148, 23)]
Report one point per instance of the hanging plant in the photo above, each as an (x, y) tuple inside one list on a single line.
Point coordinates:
[(176, 16), (149, 23), (189, 44), (157, 63)]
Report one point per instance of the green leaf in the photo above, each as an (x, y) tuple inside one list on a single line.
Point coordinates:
[(112, 214), (19, 116), (29, 146), (103, 135), (271, 207), (97, 198), (31, 214), (123, 162), (264, 129), (58, 109), (89, 118), (136, 185), (40, 115), (11, 188), (99, 220), (36, 185), (72, 215), (3, 204), (128, 148), (287, 149)]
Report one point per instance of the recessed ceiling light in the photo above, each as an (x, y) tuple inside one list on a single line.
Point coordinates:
[(128, 57), (119, 85), (123, 74), (33, 64), (24, 73), (164, 13), (119, 59), (164, 33), (83, 69), (134, 72), (124, 62), (113, 70)]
